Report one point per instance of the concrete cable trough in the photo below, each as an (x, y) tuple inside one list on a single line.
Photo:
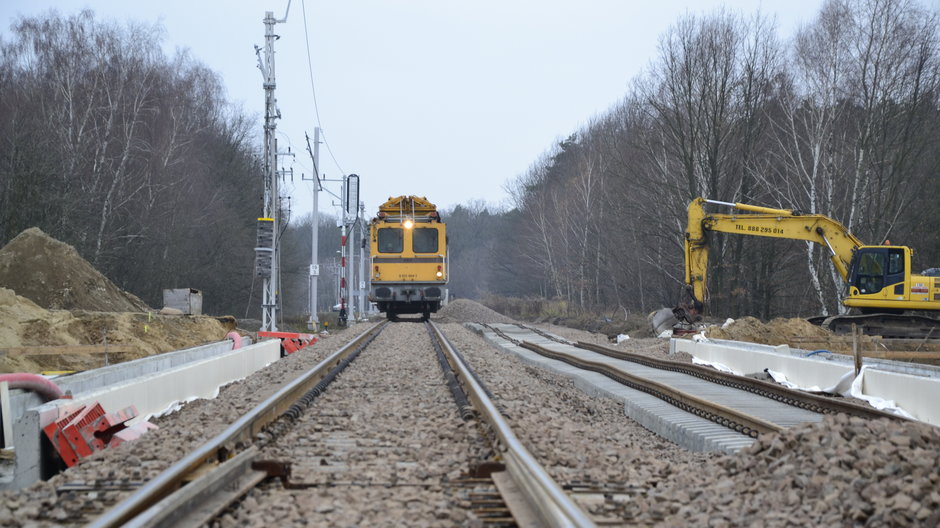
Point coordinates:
[(152, 384)]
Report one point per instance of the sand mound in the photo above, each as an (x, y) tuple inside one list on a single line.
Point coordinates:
[(465, 310), (53, 275), (801, 334), (776, 332), (87, 316), (24, 326)]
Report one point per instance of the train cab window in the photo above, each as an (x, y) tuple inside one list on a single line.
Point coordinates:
[(424, 240), (391, 240)]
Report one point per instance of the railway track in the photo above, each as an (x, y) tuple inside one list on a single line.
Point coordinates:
[(804, 400), (748, 406), (325, 468), (312, 452)]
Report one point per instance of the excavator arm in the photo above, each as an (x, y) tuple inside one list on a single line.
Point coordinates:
[(763, 222)]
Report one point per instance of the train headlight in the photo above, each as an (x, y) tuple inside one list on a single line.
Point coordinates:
[(408, 224), (440, 274)]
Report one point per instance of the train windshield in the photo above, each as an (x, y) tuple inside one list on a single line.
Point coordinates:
[(390, 240), (424, 240)]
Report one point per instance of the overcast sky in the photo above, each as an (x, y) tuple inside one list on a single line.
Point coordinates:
[(444, 99)]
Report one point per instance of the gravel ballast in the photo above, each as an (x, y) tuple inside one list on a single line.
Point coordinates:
[(141, 460), (384, 445), (840, 472)]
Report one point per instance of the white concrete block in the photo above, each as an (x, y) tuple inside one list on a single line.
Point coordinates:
[(804, 372), (155, 392), (915, 394)]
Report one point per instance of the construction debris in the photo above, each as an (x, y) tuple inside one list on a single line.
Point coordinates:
[(88, 429)]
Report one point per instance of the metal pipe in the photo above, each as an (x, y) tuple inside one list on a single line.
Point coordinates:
[(35, 383)]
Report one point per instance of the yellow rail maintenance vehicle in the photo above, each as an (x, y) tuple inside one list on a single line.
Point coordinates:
[(408, 258)]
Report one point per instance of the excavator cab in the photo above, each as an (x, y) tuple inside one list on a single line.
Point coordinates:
[(875, 267), (879, 275)]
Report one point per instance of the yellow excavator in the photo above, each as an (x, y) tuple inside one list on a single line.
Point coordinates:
[(880, 283)]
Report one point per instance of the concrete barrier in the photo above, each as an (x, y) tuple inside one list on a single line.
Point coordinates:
[(152, 384), (748, 358), (917, 395), (912, 387)]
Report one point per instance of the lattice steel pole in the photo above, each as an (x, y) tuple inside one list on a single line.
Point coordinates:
[(266, 248)]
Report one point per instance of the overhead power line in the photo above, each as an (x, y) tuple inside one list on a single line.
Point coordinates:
[(313, 89)]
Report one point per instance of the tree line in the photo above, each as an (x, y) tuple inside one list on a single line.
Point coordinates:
[(132, 156), (136, 159), (840, 120)]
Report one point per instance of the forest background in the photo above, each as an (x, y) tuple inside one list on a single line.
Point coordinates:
[(136, 159)]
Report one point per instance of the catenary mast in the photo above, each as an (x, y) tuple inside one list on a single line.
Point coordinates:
[(266, 254)]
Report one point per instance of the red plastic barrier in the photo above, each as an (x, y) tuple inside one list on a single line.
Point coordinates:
[(290, 341), (89, 429)]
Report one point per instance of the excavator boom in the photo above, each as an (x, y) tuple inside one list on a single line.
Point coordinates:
[(763, 222), (879, 278)]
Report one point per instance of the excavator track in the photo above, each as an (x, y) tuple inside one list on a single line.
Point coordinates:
[(892, 326)]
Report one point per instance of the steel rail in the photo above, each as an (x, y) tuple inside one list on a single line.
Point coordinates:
[(726, 416), (546, 497), (796, 398), (236, 437)]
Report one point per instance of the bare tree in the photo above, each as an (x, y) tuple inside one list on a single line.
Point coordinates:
[(127, 155)]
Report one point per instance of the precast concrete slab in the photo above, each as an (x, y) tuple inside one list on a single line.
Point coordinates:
[(914, 388), (151, 384), (681, 427), (748, 358)]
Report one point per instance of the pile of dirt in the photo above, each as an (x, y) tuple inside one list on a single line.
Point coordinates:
[(779, 331), (25, 324), (54, 276), (465, 310), (799, 333), (57, 312)]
